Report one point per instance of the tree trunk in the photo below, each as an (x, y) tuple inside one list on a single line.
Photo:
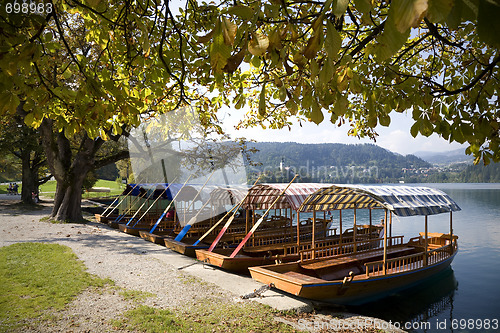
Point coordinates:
[(68, 198), (29, 179), (69, 169)]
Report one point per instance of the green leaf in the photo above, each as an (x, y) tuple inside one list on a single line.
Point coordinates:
[(426, 128), (292, 107), (333, 41), (262, 101), (316, 115), (363, 6), (488, 22), (439, 10), (243, 12), (384, 120), (28, 120), (339, 7), (391, 39), (219, 50), (407, 13), (414, 128)]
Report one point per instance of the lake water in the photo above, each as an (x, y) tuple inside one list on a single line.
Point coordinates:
[(465, 298)]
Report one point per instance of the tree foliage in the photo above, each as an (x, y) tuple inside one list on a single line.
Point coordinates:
[(100, 66)]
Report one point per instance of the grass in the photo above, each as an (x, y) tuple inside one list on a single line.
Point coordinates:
[(36, 277), (207, 317), (49, 188), (135, 295)]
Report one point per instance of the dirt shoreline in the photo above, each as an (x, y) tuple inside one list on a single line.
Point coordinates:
[(131, 263)]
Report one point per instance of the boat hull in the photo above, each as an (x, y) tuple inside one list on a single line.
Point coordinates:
[(240, 263), (153, 238), (186, 249), (129, 230), (359, 291)]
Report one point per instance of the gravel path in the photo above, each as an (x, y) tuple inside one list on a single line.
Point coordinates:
[(129, 261)]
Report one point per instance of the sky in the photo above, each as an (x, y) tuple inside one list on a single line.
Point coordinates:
[(396, 137)]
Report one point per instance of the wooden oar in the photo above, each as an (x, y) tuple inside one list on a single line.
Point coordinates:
[(224, 228), (124, 197), (154, 202), (235, 252), (143, 204), (192, 220), (168, 207), (215, 225), (119, 218)]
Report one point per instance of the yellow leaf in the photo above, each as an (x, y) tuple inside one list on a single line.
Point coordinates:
[(228, 31), (408, 13), (258, 44)]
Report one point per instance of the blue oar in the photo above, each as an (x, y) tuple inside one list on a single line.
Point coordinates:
[(142, 205), (119, 218), (119, 203), (154, 202), (234, 209), (168, 207), (193, 220)]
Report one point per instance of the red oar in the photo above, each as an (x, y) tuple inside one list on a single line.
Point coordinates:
[(235, 252), (224, 228)]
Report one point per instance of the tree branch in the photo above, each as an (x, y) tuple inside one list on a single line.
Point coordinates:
[(111, 159), (488, 68)]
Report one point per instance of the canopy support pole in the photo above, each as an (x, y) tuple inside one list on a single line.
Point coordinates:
[(354, 231), (426, 241), (340, 226), (298, 230), (370, 213), (390, 227), (451, 233), (313, 238), (325, 225), (385, 244)]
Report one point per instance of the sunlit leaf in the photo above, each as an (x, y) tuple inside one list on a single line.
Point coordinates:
[(407, 13), (258, 44)]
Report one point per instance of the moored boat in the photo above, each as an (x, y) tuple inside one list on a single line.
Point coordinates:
[(288, 243), (369, 273)]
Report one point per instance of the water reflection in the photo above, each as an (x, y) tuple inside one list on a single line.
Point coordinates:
[(429, 302)]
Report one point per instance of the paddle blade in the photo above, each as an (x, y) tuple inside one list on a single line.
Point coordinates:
[(157, 222), (182, 233)]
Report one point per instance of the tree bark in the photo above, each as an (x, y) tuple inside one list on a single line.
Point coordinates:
[(29, 178), (69, 169)]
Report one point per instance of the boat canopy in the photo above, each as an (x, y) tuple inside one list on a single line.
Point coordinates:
[(401, 200), (229, 195), (262, 196)]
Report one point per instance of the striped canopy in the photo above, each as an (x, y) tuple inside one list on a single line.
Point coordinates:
[(229, 195), (401, 200), (262, 196)]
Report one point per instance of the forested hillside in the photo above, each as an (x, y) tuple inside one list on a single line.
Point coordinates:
[(332, 162)]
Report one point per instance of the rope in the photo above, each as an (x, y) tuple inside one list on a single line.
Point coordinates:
[(258, 292)]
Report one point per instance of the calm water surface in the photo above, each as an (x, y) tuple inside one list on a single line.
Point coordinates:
[(470, 290)]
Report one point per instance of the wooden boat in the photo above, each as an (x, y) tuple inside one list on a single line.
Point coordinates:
[(284, 249), (365, 275), (287, 244)]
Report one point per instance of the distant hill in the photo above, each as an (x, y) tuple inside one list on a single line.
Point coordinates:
[(331, 162), (445, 158)]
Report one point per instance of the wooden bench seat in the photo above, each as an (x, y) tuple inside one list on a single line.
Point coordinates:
[(354, 257)]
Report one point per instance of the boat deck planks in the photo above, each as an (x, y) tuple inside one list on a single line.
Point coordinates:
[(354, 257), (301, 278)]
